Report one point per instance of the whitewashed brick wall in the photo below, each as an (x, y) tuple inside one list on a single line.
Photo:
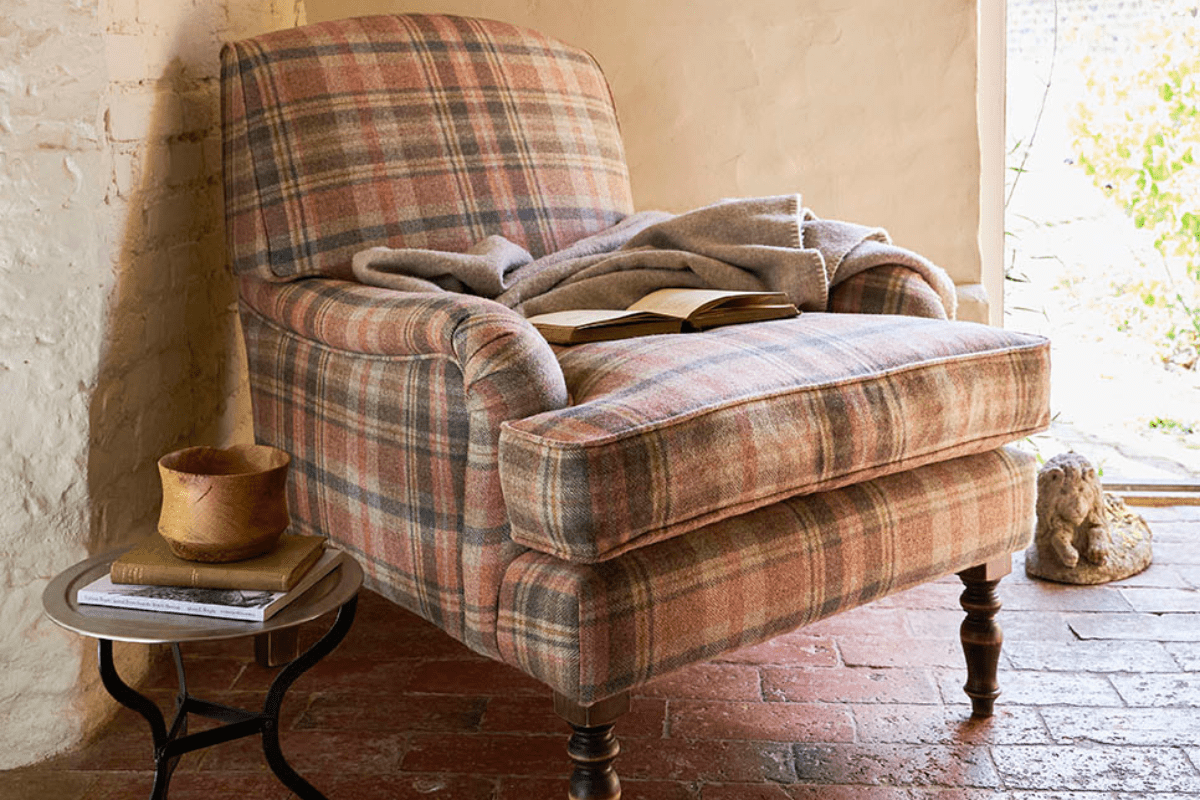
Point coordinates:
[(118, 332)]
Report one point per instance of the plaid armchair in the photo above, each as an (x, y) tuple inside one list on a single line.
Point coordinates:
[(598, 515)]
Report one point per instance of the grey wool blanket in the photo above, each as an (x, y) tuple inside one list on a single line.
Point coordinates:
[(755, 244)]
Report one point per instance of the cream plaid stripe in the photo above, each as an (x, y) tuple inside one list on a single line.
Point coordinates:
[(412, 131), (390, 405), (667, 434), (592, 630)]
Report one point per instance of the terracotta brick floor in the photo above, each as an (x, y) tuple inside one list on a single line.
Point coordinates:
[(1101, 702)]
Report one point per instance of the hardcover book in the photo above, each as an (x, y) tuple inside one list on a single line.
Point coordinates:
[(251, 605), (663, 311), (153, 563)]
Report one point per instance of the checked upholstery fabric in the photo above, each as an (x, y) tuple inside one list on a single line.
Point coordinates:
[(601, 514), (412, 131)]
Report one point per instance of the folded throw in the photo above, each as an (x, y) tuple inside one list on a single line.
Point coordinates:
[(753, 244)]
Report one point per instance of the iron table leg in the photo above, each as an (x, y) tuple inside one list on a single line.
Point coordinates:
[(169, 745)]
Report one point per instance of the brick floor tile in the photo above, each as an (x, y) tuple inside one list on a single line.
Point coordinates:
[(1022, 687), (1045, 595), (938, 595), (1136, 726), (395, 712), (1150, 600), (942, 793), (827, 792), (1187, 654), (790, 649), (203, 674), (193, 786), (41, 784), (1035, 626), (1143, 627), (123, 745), (744, 791), (707, 681), (1027, 626), (1094, 656), (1103, 768), (646, 717), (1174, 531), (347, 675), (489, 754), (869, 620), (472, 676), (896, 765), (1160, 574), (900, 651), (553, 789), (1159, 690), (849, 685), (706, 761), (404, 786), (312, 751), (1066, 795), (773, 722), (909, 724), (1178, 553)]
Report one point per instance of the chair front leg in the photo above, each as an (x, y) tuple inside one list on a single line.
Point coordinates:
[(981, 635), (592, 746)]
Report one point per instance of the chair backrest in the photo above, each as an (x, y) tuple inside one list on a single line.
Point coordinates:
[(416, 130)]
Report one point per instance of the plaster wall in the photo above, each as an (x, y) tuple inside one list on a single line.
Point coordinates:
[(118, 337), (865, 107)]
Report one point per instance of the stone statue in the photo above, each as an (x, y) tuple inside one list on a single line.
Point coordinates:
[(1083, 535)]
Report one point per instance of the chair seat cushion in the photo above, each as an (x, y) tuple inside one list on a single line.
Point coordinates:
[(592, 630), (666, 434)]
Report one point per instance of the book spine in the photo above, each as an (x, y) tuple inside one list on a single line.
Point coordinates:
[(170, 606), (147, 576)]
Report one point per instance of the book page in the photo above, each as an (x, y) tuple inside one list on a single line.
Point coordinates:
[(682, 303), (585, 317)]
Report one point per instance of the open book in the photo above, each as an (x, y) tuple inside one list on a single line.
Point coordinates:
[(664, 311)]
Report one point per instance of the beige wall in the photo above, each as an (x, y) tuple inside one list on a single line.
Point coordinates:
[(117, 330), (865, 107)]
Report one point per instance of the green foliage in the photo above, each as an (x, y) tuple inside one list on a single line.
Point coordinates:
[(1137, 134), (1174, 425)]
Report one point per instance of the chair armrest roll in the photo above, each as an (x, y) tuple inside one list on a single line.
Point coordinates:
[(498, 352), (887, 289)]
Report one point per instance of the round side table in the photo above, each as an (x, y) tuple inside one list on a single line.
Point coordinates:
[(336, 591)]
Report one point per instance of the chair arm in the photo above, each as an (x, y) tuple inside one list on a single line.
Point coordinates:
[(504, 362), (887, 289)]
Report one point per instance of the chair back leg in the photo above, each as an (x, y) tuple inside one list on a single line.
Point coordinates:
[(980, 633)]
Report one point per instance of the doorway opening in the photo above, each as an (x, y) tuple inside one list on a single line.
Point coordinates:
[(1102, 225)]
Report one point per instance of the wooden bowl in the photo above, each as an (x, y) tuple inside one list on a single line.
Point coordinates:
[(223, 505)]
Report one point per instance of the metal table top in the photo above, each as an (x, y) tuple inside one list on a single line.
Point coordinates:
[(156, 627)]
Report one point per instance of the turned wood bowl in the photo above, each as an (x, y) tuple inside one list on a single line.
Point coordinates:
[(223, 504)]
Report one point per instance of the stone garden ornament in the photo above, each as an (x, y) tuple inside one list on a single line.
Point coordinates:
[(1083, 535)]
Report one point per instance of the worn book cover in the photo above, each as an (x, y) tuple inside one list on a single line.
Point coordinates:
[(153, 563), (251, 605), (663, 311)]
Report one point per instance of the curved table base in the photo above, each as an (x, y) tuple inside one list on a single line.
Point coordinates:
[(169, 745)]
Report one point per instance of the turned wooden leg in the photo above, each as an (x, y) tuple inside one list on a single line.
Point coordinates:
[(592, 746), (981, 636)]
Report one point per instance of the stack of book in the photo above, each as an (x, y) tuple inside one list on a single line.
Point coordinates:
[(152, 578)]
